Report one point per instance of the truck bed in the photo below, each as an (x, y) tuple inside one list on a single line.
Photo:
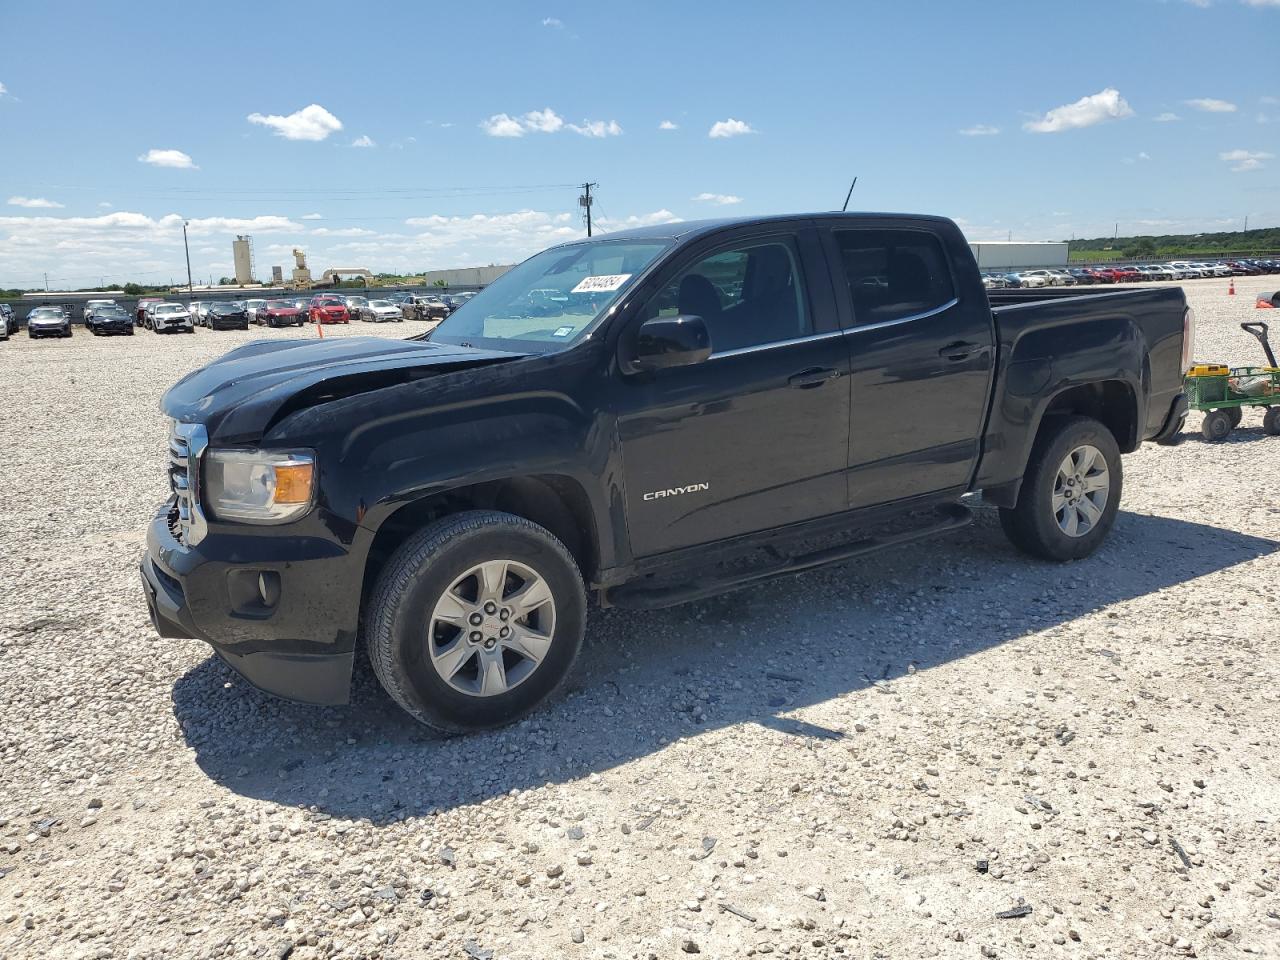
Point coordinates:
[(1125, 343)]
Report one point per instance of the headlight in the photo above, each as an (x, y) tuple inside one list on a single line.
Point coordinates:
[(259, 486)]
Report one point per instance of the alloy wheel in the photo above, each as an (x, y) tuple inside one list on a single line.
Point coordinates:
[(1080, 490), (491, 628)]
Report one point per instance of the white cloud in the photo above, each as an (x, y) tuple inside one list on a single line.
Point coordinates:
[(1096, 108), (502, 125), (1245, 160), (546, 121), (643, 220), (980, 130), (542, 121), (597, 128), (364, 140), (555, 23), (535, 121), (729, 128), (104, 205), (123, 245), (3, 89), (311, 216), (168, 158), (668, 125), (1166, 117), (723, 199), (35, 203), (1210, 105), (119, 244), (1263, 3), (1142, 155), (312, 122)]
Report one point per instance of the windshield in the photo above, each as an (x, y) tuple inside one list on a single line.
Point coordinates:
[(280, 304), (550, 300), (169, 308), (381, 303)]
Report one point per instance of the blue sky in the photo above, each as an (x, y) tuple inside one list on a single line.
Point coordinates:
[(418, 136)]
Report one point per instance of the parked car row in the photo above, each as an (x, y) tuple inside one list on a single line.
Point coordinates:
[(1175, 270), (103, 317)]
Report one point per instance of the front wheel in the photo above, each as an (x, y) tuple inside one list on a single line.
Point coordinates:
[(476, 620), (1070, 492), (1271, 422)]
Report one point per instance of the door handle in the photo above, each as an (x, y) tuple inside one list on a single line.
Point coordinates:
[(960, 351), (813, 377)]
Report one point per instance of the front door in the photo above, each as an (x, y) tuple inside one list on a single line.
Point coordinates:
[(756, 436)]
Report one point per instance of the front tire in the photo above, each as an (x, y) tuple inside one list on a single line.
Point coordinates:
[(476, 620), (1070, 492), (1271, 422)]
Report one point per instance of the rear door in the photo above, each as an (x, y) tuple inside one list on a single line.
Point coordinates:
[(757, 435), (921, 348)]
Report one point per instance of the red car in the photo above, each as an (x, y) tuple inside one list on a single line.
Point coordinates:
[(1127, 275), (280, 313), (329, 310)]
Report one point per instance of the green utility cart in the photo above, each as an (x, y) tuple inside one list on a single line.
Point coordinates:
[(1223, 392)]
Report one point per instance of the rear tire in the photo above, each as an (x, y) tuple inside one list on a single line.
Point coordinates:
[(412, 647), (1052, 519), (1236, 414), (1271, 422)]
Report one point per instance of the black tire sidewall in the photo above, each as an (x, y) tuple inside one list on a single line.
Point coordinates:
[(406, 615)]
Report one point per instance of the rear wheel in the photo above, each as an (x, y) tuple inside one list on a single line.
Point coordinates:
[(1216, 425), (1236, 414), (1070, 492), (1271, 422), (476, 620)]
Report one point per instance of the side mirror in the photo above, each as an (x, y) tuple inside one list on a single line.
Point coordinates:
[(665, 342)]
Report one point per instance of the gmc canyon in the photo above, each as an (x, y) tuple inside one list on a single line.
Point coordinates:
[(645, 418)]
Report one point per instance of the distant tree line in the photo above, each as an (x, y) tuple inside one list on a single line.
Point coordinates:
[(1177, 244)]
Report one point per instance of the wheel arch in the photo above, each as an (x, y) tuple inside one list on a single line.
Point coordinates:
[(1112, 402), (556, 502)]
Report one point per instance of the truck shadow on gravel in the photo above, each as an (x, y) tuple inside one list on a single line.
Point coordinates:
[(648, 678)]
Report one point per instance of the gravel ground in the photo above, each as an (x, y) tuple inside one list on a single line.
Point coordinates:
[(872, 760)]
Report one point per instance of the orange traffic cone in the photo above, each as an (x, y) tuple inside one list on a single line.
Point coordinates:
[(1264, 304), (1231, 290)]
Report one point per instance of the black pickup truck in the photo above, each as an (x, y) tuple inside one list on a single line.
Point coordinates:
[(646, 418)]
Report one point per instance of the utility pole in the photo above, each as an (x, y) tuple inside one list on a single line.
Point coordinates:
[(1246, 223), (46, 282), (585, 202), (187, 249)]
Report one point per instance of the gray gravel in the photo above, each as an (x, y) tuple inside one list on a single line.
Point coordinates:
[(873, 760)]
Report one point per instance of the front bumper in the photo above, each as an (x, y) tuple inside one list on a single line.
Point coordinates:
[(301, 648), (44, 331)]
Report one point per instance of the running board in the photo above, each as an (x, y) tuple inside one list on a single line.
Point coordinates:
[(640, 596)]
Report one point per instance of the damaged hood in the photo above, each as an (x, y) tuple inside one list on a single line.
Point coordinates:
[(239, 395)]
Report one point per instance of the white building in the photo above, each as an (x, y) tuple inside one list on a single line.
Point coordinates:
[(1002, 254)]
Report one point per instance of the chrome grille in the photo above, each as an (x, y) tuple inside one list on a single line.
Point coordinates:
[(187, 442)]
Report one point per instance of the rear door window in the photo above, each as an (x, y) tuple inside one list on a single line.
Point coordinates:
[(894, 274)]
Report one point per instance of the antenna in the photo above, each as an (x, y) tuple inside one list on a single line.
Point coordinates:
[(845, 208)]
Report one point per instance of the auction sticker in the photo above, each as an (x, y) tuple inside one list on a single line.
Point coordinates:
[(605, 283)]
